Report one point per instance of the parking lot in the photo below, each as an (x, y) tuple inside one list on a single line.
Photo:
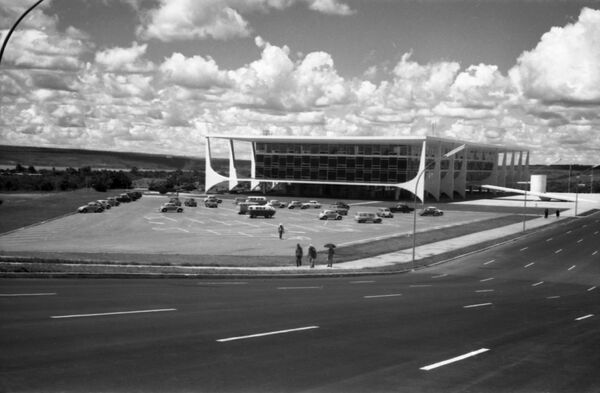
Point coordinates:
[(139, 228)]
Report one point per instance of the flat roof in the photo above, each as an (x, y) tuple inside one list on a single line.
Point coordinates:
[(357, 140)]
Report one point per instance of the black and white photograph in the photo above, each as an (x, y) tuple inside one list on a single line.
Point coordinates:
[(255, 196)]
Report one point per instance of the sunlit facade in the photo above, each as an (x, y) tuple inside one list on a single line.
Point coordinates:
[(370, 166)]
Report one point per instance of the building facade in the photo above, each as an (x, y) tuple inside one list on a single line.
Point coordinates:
[(370, 166)]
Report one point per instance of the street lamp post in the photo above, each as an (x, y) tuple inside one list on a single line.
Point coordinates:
[(414, 235)]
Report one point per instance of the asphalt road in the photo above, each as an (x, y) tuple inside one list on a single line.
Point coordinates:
[(523, 317)]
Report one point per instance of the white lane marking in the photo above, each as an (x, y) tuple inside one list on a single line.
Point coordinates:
[(183, 230), (591, 289), (112, 313), (557, 251), (455, 359), (439, 276), (286, 288), (362, 282), (211, 231), (478, 305), (524, 248), (487, 279), (549, 239), (579, 241), (223, 283), (490, 261), (222, 340), (168, 218), (388, 295), (537, 283), (571, 268), (553, 297), (595, 233), (595, 252), (27, 294), (245, 234), (529, 264), (568, 231), (196, 221), (584, 317), (484, 290), (584, 226), (420, 285)]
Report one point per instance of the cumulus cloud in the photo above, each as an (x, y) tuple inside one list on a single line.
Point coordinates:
[(565, 65), (193, 72), (125, 59), (217, 19)]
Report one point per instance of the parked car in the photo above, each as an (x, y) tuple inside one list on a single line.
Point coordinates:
[(104, 203), (276, 203), (91, 207), (265, 211), (309, 204), (401, 208), (175, 201), (329, 215), (170, 207), (134, 195), (191, 202), (212, 198), (123, 198), (113, 201), (431, 211), (384, 212), (244, 207), (294, 204), (342, 205), (211, 203), (339, 209), (362, 217), (239, 200)]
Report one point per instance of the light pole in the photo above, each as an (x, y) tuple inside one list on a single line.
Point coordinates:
[(577, 186), (414, 235)]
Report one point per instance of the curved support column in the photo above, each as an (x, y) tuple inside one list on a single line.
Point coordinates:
[(211, 178)]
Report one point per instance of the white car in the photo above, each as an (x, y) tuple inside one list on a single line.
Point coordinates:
[(276, 203), (91, 207), (170, 207), (384, 212), (309, 204), (329, 215)]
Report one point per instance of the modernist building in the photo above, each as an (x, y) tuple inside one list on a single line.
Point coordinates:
[(370, 166)]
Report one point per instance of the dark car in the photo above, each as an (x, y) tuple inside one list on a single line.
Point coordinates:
[(343, 205), (190, 202), (124, 198), (401, 208), (431, 211)]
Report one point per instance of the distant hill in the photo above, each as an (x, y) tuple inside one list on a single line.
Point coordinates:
[(97, 159)]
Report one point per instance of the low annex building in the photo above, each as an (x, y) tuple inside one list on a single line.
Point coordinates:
[(370, 166)]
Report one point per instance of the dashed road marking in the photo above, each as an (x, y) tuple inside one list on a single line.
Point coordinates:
[(112, 313), (478, 305), (486, 279), (558, 251), (286, 288), (529, 264), (362, 282), (549, 239), (524, 248), (569, 231), (420, 285), (27, 294), (439, 276), (454, 359), (484, 290), (571, 268), (584, 317), (591, 289), (535, 284), (245, 234), (222, 340), (387, 295), (595, 252), (579, 241), (553, 297), (490, 261)]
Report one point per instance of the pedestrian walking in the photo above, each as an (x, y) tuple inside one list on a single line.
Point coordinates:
[(557, 213), (312, 255), (330, 257), (299, 254), (280, 230), (546, 213)]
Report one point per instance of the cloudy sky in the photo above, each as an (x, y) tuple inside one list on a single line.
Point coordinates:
[(157, 76)]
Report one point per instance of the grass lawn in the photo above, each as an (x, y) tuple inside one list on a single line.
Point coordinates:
[(22, 209)]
